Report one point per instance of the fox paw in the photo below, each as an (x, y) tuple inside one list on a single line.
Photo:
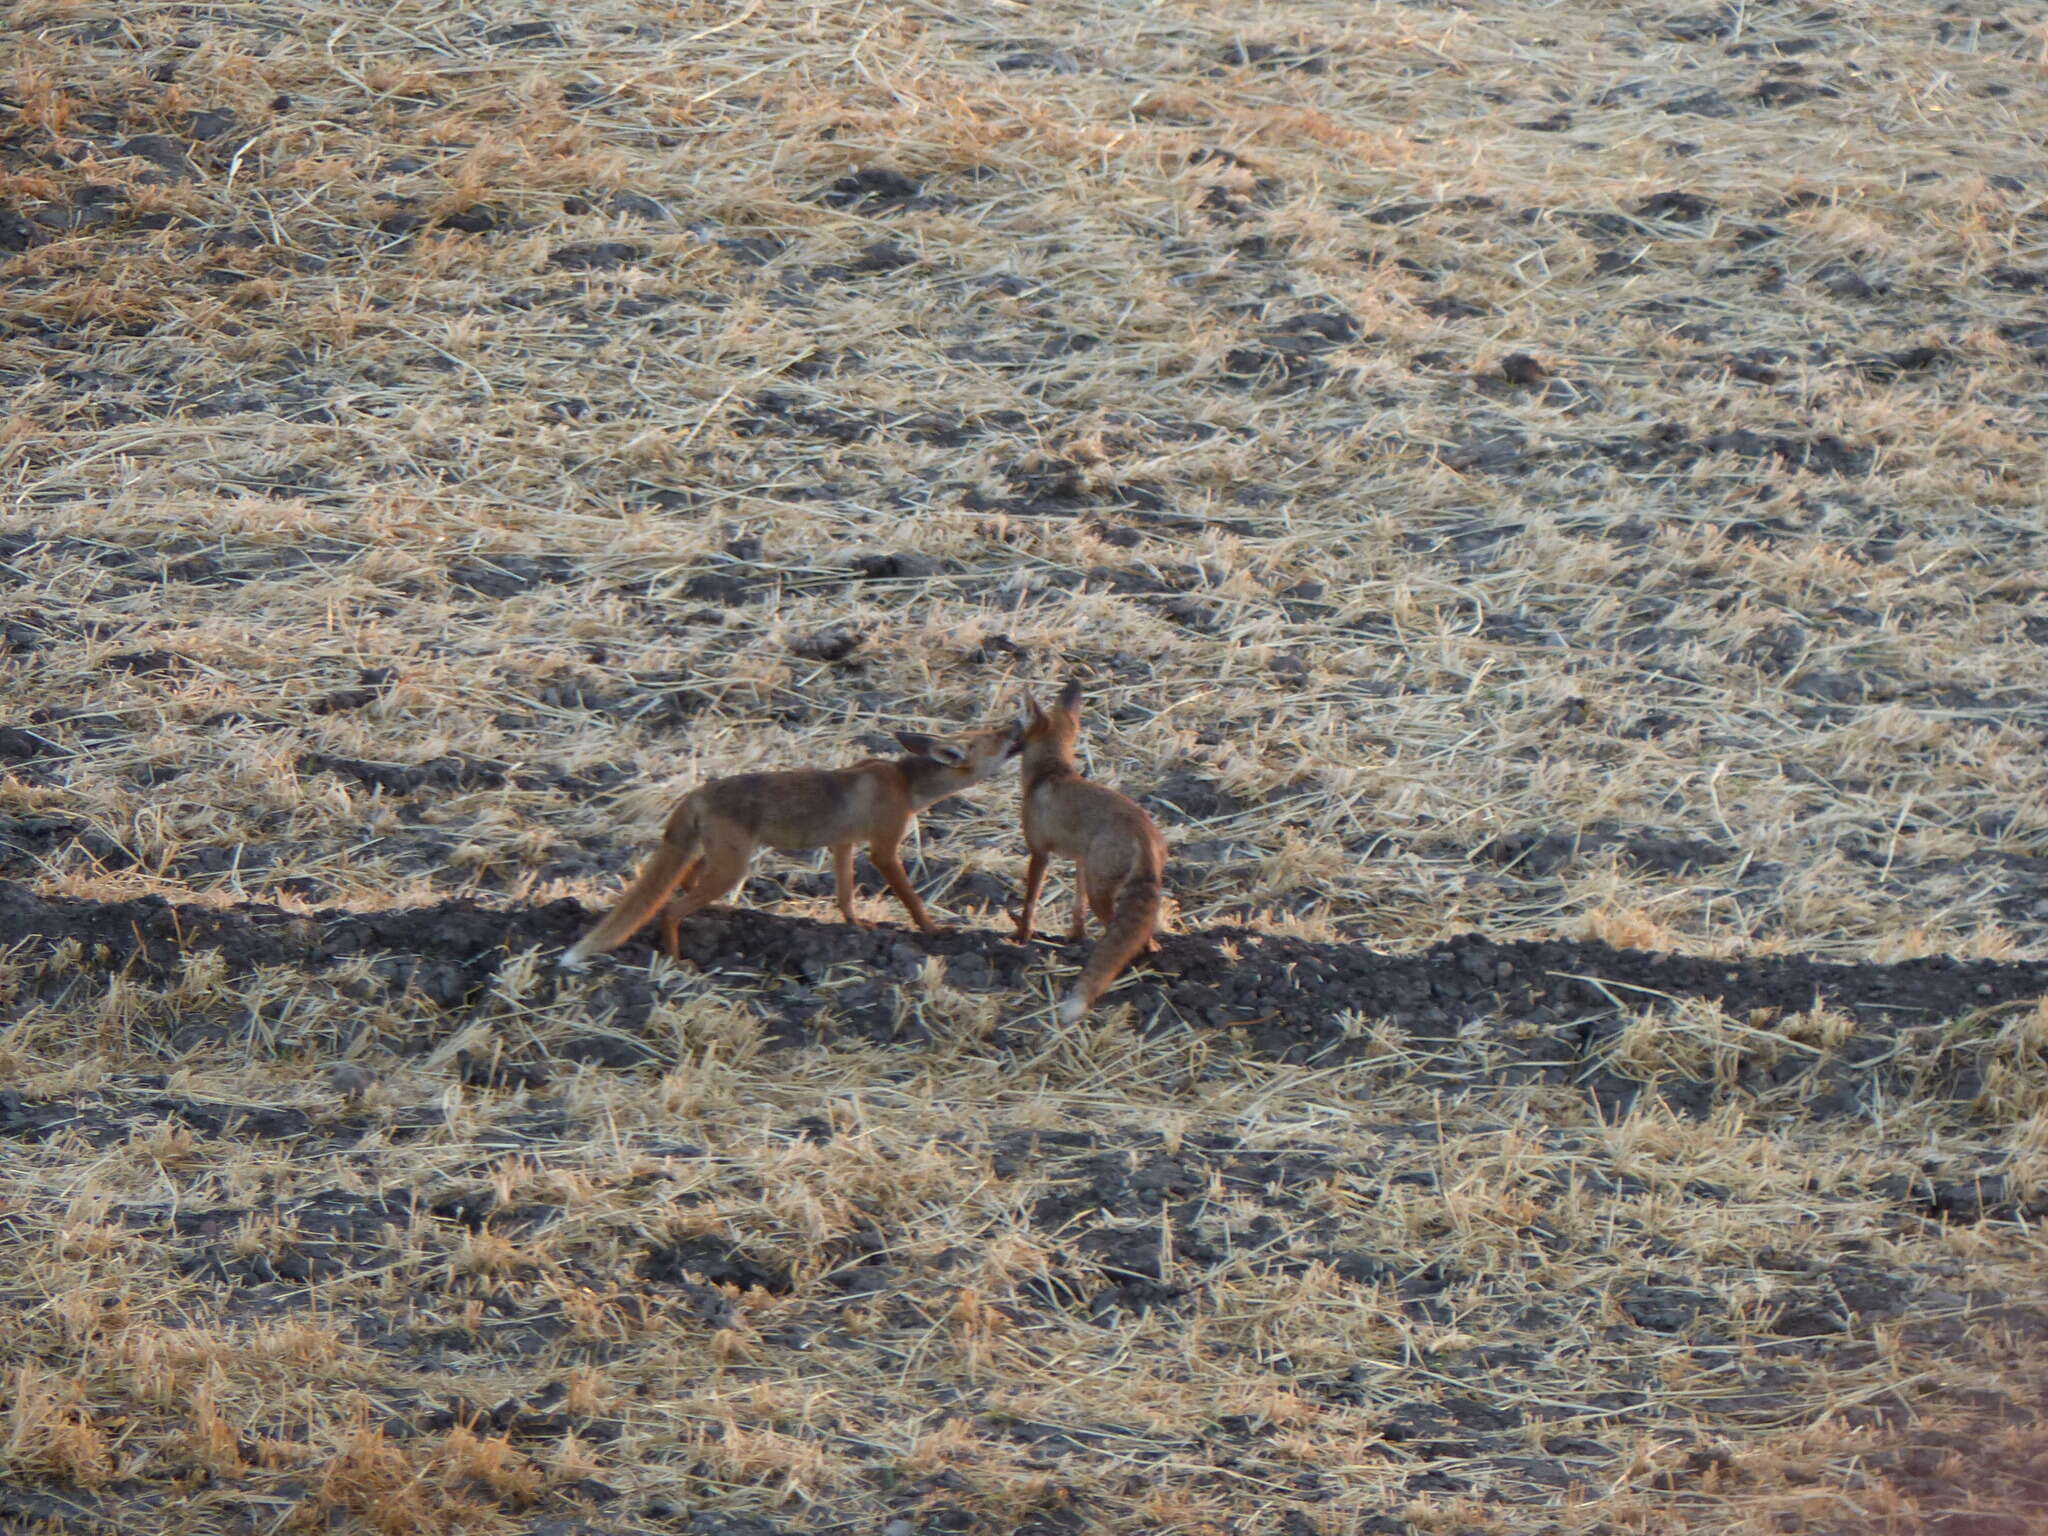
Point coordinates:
[(1072, 1009)]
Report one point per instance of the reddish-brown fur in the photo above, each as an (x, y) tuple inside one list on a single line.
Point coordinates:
[(1119, 856), (715, 831)]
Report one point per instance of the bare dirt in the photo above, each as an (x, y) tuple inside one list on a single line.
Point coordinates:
[(1546, 501)]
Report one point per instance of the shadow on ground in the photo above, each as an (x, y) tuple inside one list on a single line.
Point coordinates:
[(1471, 1011)]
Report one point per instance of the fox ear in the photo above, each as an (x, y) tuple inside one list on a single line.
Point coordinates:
[(917, 744), (1027, 711), (1070, 697)]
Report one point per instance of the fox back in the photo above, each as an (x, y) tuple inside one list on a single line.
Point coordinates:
[(802, 808), (824, 807)]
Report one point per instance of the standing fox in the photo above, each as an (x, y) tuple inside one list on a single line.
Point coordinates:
[(714, 833), (1118, 854)]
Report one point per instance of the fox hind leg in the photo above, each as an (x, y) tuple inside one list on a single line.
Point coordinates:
[(664, 871), (717, 876), (1101, 899), (891, 866)]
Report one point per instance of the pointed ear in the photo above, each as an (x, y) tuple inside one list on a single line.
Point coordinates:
[(917, 744), (1070, 697), (1027, 711)]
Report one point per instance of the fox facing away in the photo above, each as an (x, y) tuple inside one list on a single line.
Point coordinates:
[(1118, 855), (715, 831)]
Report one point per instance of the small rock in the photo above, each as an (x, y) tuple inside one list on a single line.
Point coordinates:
[(883, 256), (17, 745), (1889, 366), (208, 123), (477, 219), (1682, 207), (877, 189), (1790, 93), (1055, 61), (1329, 328), (160, 150), (836, 642), (524, 34), (351, 1080), (1701, 104), (634, 205), (883, 567), (594, 255), (614, 1051)]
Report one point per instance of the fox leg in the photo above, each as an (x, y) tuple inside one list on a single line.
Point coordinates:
[(717, 877), (1082, 898), (1034, 877), (891, 867), (691, 872), (668, 867), (842, 878), (1101, 898), (1102, 901)]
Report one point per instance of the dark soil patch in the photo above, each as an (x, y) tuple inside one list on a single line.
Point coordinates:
[(1280, 997)]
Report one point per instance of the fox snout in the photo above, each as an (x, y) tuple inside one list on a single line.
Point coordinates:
[(997, 746)]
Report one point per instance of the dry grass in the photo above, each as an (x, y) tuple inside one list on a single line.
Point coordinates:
[(305, 407), (510, 406), (958, 1289)]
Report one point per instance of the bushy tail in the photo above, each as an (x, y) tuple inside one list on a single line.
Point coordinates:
[(658, 877), (1124, 938)]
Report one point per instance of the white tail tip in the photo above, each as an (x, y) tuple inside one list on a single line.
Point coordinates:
[(1072, 1009)]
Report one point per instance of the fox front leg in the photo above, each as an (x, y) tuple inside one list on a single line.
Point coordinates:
[(1034, 877), (842, 879)]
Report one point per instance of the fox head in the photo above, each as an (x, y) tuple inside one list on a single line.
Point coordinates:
[(1052, 730), (972, 758)]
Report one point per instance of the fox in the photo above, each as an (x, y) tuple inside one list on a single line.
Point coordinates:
[(1119, 856), (716, 829)]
